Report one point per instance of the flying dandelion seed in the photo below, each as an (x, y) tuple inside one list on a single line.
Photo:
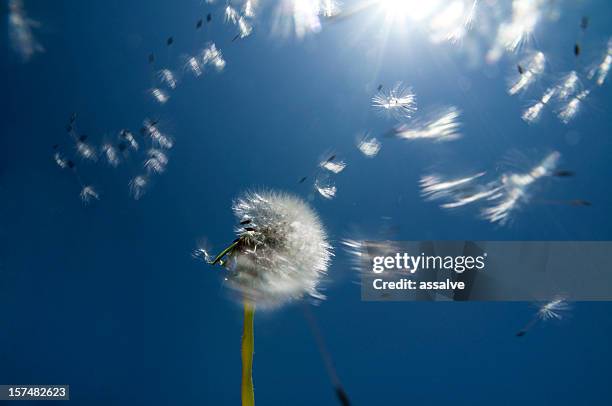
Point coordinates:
[(138, 186), (88, 194), (600, 72), (167, 77), (511, 35), (129, 138), (333, 166), (86, 151), (244, 28), (471, 196), (515, 188), (444, 127), (534, 67), (324, 186), (330, 8), (567, 86), (453, 22), (572, 107), (554, 309), (248, 10), (156, 161), (399, 103), (60, 160), (158, 138), (370, 147), (20, 31), (433, 187), (111, 155), (213, 56), (193, 65), (297, 17), (159, 95), (534, 112), (231, 15)]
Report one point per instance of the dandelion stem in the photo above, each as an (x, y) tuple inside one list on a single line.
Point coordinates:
[(223, 253), (248, 343)]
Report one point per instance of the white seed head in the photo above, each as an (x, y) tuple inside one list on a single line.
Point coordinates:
[(283, 252)]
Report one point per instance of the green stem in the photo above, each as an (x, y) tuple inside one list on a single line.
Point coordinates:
[(248, 344), (224, 252)]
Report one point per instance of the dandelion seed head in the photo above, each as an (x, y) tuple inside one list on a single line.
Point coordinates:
[(398, 103), (284, 256)]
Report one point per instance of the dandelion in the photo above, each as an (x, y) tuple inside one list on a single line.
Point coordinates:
[(111, 155), (138, 186), (534, 112), (281, 253), (567, 86), (20, 31), (88, 193), (572, 107), (167, 77), (443, 127), (554, 309), (399, 102), (213, 56), (534, 68), (369, 146), (156, 161)]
